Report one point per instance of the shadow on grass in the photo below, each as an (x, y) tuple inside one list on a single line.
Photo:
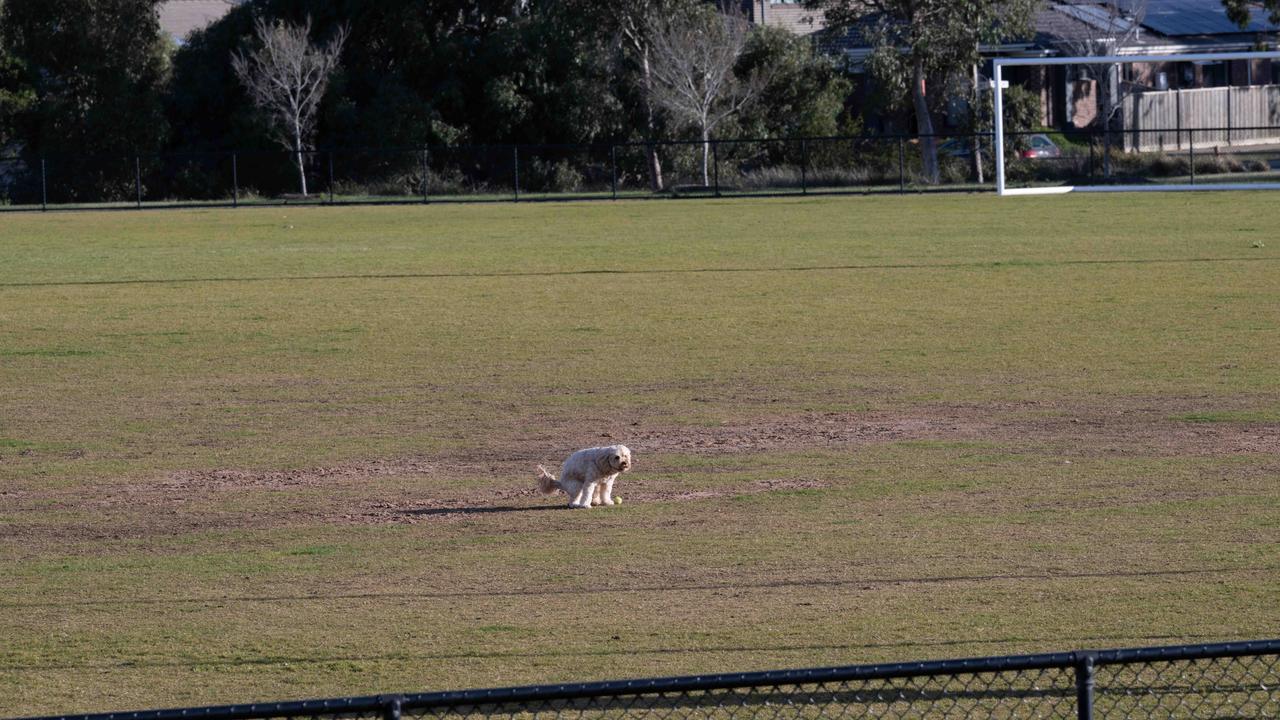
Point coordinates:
[(478, 510), (989, 264), (623, 649), (866, 583)]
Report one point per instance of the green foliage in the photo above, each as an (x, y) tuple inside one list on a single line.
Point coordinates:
[(16, 93), (92, 76), (806, 93), (943, 35), (919, 42), (413, 74), (1240, 11)]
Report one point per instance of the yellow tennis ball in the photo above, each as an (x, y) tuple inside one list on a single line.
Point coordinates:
[(617, 500)]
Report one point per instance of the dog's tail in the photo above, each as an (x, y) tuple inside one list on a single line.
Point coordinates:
[(547, 482)]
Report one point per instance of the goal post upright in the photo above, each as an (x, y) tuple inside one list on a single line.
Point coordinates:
[(998, 65), (998, 125)]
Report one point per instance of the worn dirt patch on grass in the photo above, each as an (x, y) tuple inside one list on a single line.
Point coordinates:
[(418, 489)]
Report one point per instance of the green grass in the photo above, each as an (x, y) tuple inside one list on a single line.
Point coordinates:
[(274, 453)]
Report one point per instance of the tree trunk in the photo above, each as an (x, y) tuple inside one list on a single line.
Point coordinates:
[(706, 155), (651, 124), (924, 124), (297, 154)]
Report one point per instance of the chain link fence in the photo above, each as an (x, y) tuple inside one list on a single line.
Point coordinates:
[(761, 167), (1233, 680)]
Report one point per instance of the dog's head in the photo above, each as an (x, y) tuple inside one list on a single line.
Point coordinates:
[(617, 458)]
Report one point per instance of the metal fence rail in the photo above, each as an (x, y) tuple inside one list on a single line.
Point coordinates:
[(740, 167), (1231, 680)]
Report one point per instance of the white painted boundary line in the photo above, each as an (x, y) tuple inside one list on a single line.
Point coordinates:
[(1064, 189)]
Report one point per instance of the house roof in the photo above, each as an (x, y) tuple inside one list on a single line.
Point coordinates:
[(1179, 18), (179, 17), (1168, 26)]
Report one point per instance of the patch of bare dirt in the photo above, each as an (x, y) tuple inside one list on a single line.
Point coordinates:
[(207, 480), (188, 500)]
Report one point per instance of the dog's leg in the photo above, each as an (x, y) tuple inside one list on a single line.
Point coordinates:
[(584, 496), (607, 494), (571, 488)]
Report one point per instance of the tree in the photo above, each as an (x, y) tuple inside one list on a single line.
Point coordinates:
[(85, 79), (915, 40), (627, 26), (286, 77), (1106, 32), (1240, 12), (16, 95), (806, 92), (635, 18), (694, 54)]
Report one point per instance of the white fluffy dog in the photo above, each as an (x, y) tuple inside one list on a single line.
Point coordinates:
[(587, 476)]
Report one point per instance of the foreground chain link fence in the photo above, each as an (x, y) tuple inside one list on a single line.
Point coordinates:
[(1232, 680), (744, 167)]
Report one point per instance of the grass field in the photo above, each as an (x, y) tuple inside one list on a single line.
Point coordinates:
[(265, 454)]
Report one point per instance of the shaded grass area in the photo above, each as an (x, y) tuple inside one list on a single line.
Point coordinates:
[(143, 353)]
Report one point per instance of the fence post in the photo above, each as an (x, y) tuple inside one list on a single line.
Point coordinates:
[(391, 707), (613, 168), (902, 167), (1177, 115), (44, 187), (331, 177), (1092, 142), (1229, 113), (515, 156), (715, 155), (1084, 686), (426, 175), (1191, 143), (137, 178), (235, 182), (804, 164)]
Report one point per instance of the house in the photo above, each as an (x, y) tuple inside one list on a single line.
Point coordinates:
[(1070, 95), (1142, 96), (789, 14), (178, 18)]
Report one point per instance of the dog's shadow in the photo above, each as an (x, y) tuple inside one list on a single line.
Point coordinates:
[(479, 510)]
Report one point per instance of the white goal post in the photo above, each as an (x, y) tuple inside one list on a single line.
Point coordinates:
[(1000, 63)]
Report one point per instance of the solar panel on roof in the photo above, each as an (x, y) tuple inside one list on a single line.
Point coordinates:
[(1197, 17)]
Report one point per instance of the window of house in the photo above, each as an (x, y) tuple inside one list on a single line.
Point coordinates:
[(1214, 74)]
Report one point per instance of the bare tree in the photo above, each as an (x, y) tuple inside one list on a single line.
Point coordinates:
[(694, 53), (286, 77), (634, 20), (1104, 29)]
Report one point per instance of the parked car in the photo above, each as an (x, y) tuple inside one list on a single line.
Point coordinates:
[(1041, 147), (1038, 146)]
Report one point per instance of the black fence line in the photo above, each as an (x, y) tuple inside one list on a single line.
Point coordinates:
[(657, 692), (640, 144), (478, 166)]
